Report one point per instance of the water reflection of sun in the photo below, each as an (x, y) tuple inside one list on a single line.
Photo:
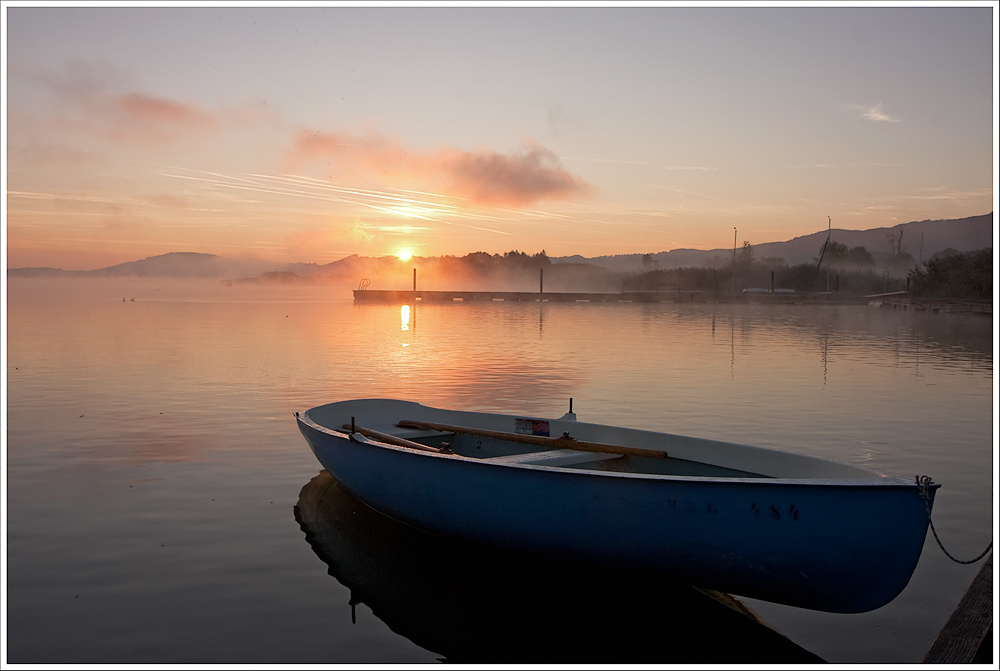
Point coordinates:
[(404, 317)]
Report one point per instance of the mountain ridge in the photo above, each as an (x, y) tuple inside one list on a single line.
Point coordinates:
[(922, 239), (965, 234)]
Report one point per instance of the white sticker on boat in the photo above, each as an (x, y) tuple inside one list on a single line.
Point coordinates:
[(531, 427)]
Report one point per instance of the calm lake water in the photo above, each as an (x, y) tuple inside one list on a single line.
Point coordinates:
[(163, 508)]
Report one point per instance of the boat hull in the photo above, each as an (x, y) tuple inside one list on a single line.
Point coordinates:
[(838, 545)]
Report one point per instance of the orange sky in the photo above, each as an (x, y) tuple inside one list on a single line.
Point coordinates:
[(296, 134)]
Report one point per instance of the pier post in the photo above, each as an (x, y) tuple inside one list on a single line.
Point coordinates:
[(541, 280), (414, 279)]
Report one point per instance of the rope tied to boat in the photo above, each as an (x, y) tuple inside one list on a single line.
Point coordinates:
[(924, 489)]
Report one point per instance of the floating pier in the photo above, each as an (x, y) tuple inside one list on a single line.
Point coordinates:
[(967, 637), (944, 305), (394, 296)]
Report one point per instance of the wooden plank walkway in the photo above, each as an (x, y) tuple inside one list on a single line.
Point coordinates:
[(949, 305), (394, 296), (967, 637)]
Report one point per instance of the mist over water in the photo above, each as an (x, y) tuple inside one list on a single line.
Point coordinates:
[(154, 463)]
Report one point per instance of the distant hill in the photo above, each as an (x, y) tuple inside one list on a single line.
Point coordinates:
[(920, 238), (173, 264), (194, 265), (351, 268), (933, 236)]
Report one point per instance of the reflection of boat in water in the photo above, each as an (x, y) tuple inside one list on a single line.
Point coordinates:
[(761, 523), (475, 604)]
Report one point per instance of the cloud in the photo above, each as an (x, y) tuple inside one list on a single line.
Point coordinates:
[(168, 200), (140, 117), (94, 98), (491, 178), (79, 79), (484, 177), (31, 150), (872, 113)]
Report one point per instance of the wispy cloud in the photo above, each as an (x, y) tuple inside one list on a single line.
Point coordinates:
[(949, 193), (850, 166), (289, 189), (603, 160), (689, 167), (95, 98), (483, 177), (139, 116), (685, 193), (873, 113)]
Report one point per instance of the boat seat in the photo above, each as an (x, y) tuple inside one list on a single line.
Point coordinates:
[(413, 434)]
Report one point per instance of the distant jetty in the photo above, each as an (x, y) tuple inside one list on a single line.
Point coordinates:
[(400, 296), (949, 305)]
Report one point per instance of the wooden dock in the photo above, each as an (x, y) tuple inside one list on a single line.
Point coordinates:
[(946, 305), (967, 637), (394, 296)]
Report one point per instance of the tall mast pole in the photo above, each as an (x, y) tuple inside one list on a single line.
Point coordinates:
[(734, 260), (828, 231)]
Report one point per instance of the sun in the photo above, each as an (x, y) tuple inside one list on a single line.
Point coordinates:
[(404, 254)]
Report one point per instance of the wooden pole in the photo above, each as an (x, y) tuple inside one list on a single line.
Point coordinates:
[(734, 260), (547, 441), (414, 279)]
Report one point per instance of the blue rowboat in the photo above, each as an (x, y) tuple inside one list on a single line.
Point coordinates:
[(760, 523), (475, 604)]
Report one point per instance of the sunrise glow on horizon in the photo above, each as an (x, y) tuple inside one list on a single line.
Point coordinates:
[(313, 133)]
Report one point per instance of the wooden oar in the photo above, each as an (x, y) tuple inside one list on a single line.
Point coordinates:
[(568, 443), (394, 440)]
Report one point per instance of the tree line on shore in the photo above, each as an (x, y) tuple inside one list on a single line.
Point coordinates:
[(947, 274), (954, 274), (836, 269)]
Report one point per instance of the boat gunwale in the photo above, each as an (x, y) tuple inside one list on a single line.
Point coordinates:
[(880, 480)]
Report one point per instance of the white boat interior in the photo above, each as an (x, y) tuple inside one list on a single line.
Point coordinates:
[(510, 453), (496, 439)]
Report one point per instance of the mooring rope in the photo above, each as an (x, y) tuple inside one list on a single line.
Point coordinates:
[(924, 488)]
